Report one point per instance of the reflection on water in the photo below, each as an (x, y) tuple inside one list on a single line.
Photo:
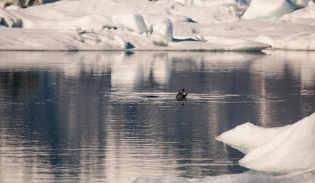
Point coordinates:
[(88, 116)]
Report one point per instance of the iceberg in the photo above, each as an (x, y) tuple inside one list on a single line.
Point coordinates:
[(134, 22), (308, 12), (261, 9), (283, 149), (164, 28)]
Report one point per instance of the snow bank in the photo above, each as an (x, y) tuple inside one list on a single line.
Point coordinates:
[(260, 9), (281, 149)]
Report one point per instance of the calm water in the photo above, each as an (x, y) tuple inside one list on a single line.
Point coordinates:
[(113, 116)]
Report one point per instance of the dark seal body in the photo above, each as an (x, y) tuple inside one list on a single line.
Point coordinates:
[(181, 96)]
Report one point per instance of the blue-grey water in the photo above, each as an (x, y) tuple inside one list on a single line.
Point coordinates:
[(113, 116)]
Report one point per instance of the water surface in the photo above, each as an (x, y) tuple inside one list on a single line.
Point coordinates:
[(113, 116)]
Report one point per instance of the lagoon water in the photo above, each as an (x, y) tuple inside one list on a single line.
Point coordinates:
[(113, 116)]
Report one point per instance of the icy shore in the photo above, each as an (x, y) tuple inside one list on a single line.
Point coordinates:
[(162, 25)]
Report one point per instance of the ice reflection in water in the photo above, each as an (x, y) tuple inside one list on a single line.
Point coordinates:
[(88, 116)]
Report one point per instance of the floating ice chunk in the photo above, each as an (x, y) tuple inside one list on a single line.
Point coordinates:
[(260, 9), (292, 149), (247, 136), (132, 21), (277, 149), (164, 29)]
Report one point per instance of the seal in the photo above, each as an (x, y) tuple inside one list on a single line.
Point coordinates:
[(181, 96)]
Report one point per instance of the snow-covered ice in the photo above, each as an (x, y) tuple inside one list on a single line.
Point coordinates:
[(159, 25)]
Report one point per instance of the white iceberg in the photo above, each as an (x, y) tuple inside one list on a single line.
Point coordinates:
[(131, 21), (282, 149), (261, 9), (164, 28), (304, 13)]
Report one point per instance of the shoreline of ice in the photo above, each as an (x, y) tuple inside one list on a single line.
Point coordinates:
[(198, 25)]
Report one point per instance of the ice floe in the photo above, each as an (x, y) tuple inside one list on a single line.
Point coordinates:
[(282, 149)]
